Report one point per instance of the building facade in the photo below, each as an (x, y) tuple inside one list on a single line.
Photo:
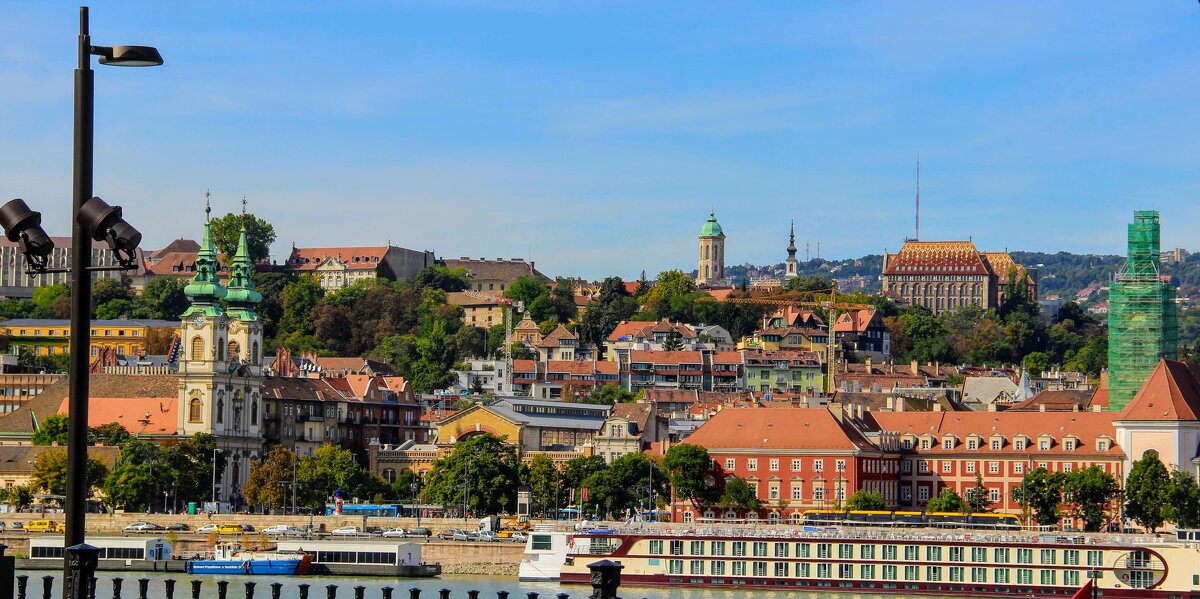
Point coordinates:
[(15, 281), (947, 275), (340, 267), (51, 336), (495, 275)]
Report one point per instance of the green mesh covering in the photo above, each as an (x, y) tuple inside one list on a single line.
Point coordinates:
[(1143, 325)]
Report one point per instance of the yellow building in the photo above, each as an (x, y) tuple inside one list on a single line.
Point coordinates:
[(479, 310), (787, 338), (51, 336)]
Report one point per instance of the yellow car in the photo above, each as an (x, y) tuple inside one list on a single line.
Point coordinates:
[(228, 529), (45, 526)]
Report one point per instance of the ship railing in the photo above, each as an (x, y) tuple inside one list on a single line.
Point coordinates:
[(894, 534)]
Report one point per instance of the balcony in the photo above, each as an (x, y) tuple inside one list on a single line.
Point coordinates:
[(310, 417)]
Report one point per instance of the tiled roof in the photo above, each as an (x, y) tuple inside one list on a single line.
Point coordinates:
[(1087, 426), (1172, 392), (139, 415), (181, 245), (607, 367), (636, 329), (524, 366), (361, 258), (1070, 400), (496, 270), (303, 389), (727, 357), (669, 395), (163, 387), (796, 316), (576, 367), (854, 322), (666, 357), (466, 298), (778, 428), (637, 413), (785, 331), (631, 287), (936, 257), (558, 334), (353, 365)]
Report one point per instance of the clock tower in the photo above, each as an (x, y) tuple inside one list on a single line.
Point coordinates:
[(220, 362)]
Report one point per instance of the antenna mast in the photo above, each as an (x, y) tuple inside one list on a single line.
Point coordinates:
[(918, 232)]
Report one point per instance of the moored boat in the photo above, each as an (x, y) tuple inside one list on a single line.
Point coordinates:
[(890, 561), (229, 559)]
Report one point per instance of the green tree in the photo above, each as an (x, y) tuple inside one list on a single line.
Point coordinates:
[(44, 299), (809, 283), (20, 496), (610, 394), (129, 485), (535, 294), (112, 310), (299, 299), (52, 429), (1036, 363), (111, 434), (50, 471), (263, 486), (543, 480), (1183, 500), (1041, 493), (106, 290), (866, 500), (624, 483), (270, 310), (163, 298), (578, 470), (673, 342), (439, 276), (1146, 491), (977, 497), (1091, 492), (687, 466), (484, 466), (948, 501), (259, 235), (331, 468), (738, 494), (670, 294)]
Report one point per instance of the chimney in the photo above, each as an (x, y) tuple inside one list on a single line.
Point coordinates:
[(891, 403), (914, 367), (891, 367), (868, 363), (937, 407), (1097, 408), (937, 369), (899, 404), (1041, 407), (991, 407), (858, 410)]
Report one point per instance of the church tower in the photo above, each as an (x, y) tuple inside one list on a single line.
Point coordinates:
[(711, 271), (792, 265), (220, 377)]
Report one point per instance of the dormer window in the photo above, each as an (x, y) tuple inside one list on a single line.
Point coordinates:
[(947, 443), (1019, 444), (997, 444), (924, 443), (1043, 444), (1069, 444), (1102, 444), (972, 444)]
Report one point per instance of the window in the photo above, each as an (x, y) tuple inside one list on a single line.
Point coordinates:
[(994, 495), (696, 567), (1000, 575), (781, 550), (1095, 558), (841, 465), (866, 551), (911, 553), (845, 571), (948, 444), (1019, 468), (923, 466), (970, 467), (197, 353), (866, 571), (889, 572), (956, 554), (906, 467), (795, 465), (675, 566), (730, 463), (1000, 555), (1068, 467), (194, 410), (1068, 444), (979, 554), (676, 547), (739, 568), (972, 444), (718, 547), (1048, 577), (911, 572), (1043, 444), (818, 493), (947, 467), (1102, 445), (889, 552), (978, 574), (781, 569), (1071, 557), (797, 491), (956, 574), (656, 545), (1071, 577), (697, 548), (818, 465), (1024, 576), (739, 548), (824, 550), (996, 444), (1024, 556), (905, 493), (803, 550), (1048, 556), (760, 568), (1019, 444), (716, 568), (752, 464), (933, 553), (773, 465), (845, 551), (922, 493)]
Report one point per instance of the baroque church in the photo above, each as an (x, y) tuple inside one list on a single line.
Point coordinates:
[(220, 372)]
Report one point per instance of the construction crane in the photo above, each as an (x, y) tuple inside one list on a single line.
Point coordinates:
[(508, 330), (811, 299)]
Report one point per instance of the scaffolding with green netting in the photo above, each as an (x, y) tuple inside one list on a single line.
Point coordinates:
[(1142, 318)]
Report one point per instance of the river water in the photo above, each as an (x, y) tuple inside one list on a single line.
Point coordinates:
[(458, 585)]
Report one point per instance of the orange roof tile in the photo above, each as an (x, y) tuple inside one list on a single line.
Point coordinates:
[(1172, 392), (854, 322), (310, 258), (1087, 426), (666, 357), (936, 257), (727, 357), (777, 428), (139, 415)]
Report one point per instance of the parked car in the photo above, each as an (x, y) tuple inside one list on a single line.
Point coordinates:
[(518, 537), (230, 529), (449, 534), (44, 526), (394, 532), (18, 525), (143, 527), (420, 532), (285, 530), (178, 526), (207, 528), (346, 531), (486, 536), (461, 535), (247, 528)]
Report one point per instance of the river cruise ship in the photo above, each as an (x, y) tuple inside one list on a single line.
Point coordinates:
[(880, 560)]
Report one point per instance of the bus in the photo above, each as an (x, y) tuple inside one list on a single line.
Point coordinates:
[(899, 518)]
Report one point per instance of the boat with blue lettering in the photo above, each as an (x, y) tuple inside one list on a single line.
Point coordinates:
[(228, 558)]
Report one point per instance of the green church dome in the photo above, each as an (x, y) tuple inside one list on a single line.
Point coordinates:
[(711, 228)]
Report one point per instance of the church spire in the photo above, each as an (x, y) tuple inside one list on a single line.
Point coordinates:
[(205, 289), (792, 242), (241, 296)]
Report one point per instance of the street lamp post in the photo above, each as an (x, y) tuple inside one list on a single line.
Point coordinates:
[(214, 478), (81, 281)]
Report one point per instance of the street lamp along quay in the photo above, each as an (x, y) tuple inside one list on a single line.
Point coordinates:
[(93, 219)]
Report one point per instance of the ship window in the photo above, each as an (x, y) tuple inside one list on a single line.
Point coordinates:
[(542, 543), (676, 547), (718, 548), (717, 568), (656, 545)]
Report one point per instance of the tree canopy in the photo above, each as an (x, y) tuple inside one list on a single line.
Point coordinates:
[(260, 234)]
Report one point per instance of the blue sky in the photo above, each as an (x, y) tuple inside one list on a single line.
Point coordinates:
[(595, 136)]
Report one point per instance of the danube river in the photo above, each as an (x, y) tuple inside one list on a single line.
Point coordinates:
[(458, 585)]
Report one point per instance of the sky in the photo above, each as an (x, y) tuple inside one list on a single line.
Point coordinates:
[(594, 137)]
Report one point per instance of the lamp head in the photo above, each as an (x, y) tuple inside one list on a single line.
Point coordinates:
[(104, 223), (129, 56), (24, 226)]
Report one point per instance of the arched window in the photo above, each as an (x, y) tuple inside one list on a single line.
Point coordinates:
[(220, 351), (233, 350), (254, 413), (194, 410), (197, 348), (220, 407), (254, 353), (706, 252)]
